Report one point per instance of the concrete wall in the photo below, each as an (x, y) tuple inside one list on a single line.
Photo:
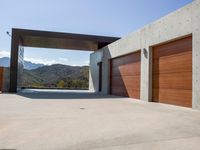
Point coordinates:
[(20, 67), (95, 58), (196, 54), (178, 24)]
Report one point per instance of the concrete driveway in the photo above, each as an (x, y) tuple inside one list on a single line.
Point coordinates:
[(85, 121)]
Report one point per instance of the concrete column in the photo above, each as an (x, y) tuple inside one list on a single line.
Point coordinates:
[(145, 75), (145, 65), (95, 58), (106, 77), (106, 71), (14, 62), (196, 55), (91, 88)]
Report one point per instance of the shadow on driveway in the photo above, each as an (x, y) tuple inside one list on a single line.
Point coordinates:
[(63, 94)]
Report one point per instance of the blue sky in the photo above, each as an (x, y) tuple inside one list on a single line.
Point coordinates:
[(97, 17)]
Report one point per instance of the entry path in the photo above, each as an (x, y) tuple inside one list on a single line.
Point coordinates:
[(87, 121)]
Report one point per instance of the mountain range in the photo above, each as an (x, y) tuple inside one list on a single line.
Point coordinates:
[(53, 76), (5, 62)]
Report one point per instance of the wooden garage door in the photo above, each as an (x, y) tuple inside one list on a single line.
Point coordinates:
[(125, 75), (172, 72)]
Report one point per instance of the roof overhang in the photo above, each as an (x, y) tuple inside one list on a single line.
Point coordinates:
[(58, 40)]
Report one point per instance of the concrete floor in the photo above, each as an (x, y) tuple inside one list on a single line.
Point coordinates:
[(85, 121)]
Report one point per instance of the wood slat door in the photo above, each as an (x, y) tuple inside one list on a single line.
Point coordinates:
[(172, 73), (125, 75)]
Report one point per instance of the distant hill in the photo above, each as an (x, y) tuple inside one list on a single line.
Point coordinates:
[(5, 62), (54, 76), (57, 76), (30, 66)]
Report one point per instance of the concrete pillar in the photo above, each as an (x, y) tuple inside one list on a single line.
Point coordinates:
[(196, 55), (145, 65), (106, 71), (106, 76), (14, 62), (95, 58), (145, 75)]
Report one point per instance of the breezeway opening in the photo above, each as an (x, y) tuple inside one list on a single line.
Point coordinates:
[(44, 39), (55, 69)]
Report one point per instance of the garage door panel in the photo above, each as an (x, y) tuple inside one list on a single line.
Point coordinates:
[(125, 75), (172, 73), (175, 47), (127, 92), (132, 82), (119, 91), (173, 81), (135, 94), (128, 69), (174, 96), (127, 59), (178, 63)]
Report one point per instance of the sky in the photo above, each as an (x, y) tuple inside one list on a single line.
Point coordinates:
[(96, 17)]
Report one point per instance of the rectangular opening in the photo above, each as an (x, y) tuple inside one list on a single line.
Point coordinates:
[(55, 69)]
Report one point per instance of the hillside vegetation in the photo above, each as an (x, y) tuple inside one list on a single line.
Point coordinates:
[(57, 76)]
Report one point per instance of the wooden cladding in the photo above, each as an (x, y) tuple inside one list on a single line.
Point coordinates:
[(1, 78), (172, 73), (125, 75)]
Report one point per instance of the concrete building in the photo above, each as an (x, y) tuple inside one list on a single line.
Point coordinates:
[(158, 63)]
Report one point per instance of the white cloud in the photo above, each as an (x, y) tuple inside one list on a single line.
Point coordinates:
[(47, 61), (40, 61), (4, 54), (74, 65), (60, 60), (63, 59), (84, 63)]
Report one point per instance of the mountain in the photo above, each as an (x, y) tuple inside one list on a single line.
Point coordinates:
[(30, 66), (57, 76), (54, 76), (5, 62)]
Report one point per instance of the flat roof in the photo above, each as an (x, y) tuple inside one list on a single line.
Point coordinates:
[(59, 40)]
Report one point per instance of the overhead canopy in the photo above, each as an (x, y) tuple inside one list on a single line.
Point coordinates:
[(58, 40), (45, 39)]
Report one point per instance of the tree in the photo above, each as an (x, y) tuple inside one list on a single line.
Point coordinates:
[(61, 84), (36, 85)]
